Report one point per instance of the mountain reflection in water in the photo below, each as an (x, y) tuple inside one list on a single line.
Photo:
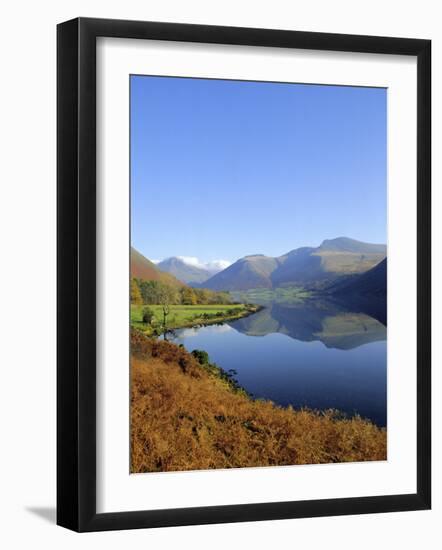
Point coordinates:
[(316, 354), (329, 323)]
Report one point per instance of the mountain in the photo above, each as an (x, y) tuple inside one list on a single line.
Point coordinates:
[(142, 268), (329, 322), (185, 272), (307, 266), (332, 259), (365, 292), (297, 267), (344, 244), (370, 283), (248, 272)]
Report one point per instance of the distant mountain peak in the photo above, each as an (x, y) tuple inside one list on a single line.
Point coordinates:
[(190, 269), (142, 268), (345, 244), (312, 266), (339, 242)]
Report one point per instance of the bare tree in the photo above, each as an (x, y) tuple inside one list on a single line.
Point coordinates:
[(165, 298)]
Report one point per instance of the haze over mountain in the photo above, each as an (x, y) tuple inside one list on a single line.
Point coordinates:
[(307, 266)]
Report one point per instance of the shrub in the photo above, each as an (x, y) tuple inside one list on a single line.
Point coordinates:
[(148, 315), (185, 417), (201, 356)]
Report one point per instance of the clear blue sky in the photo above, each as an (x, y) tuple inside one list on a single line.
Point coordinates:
[(221, 169)]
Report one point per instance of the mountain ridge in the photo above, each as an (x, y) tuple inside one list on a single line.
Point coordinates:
[(185, 272), (311, 266), (143, 268), (371, 283)]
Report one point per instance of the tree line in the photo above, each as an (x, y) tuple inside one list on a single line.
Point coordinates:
[(159, 293)]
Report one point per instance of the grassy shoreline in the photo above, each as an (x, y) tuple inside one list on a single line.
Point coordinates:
[(188, 316), (187, 415)]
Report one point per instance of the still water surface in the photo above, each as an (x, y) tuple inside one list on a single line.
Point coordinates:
[(316, 355)]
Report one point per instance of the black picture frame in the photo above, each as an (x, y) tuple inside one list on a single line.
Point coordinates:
[(76, 274)]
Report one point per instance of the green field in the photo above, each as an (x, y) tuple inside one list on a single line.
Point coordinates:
[(266, 295), (187, 316)]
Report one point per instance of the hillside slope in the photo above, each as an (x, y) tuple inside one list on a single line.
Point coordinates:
[(311, 267), (344, 244), (142, 268), (366, 292), (184, 272), (248, 272), (184, 416), (370, 283)]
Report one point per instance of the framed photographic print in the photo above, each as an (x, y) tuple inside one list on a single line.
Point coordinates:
[(231, 344)]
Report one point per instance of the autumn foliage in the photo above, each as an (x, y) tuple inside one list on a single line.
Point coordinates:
[(185, 416)]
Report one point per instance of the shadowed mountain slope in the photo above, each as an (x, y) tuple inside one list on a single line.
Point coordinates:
[(370, 283), (366, 292)]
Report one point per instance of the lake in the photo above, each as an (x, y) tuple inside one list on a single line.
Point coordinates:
[(314, 354)]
